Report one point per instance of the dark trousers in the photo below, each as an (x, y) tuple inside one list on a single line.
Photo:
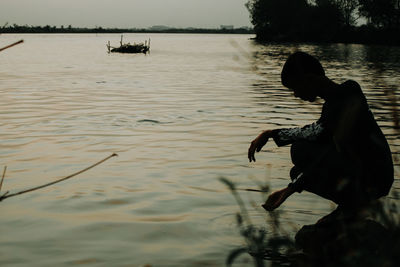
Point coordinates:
[(327, 173)]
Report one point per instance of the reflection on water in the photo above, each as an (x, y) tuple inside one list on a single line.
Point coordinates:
[(179, 118), (376, 68)]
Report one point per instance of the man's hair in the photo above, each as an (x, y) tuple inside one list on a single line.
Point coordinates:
[(298, 64)]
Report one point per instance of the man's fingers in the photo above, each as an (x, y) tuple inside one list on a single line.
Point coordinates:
[(254, 147), (268, 207), (273, 200), (260, 146), (250, 153), (251, 157)]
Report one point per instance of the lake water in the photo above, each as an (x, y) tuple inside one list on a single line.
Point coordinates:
[(179, 118)]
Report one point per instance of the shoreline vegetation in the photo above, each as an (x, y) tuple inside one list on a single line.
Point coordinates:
[(155, 29), (370, 238), (363, 34), (326, 21)]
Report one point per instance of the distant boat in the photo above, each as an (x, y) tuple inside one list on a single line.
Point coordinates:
[(130, 48)]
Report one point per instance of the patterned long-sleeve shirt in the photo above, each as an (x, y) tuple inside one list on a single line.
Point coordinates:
[(311, 132)]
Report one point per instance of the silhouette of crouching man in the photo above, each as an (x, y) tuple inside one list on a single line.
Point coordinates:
[(344, 156)]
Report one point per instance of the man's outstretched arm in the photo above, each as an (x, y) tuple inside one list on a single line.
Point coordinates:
[(284, 137), (309, 132)]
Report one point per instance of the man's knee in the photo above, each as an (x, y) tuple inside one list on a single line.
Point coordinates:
[(304, 153), (300, 152)]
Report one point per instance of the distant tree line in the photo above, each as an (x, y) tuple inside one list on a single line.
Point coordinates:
[(69, 29), (362, 21), (14, 28)]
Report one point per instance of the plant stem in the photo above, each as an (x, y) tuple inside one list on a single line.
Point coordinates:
[(59, 180)]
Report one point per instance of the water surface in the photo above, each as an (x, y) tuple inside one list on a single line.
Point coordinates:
[(179, 118)]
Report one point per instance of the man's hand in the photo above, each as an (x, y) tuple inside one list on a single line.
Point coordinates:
[(258, 143), (277, 198)]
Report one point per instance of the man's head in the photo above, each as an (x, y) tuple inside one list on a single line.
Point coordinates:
[(302, 73)]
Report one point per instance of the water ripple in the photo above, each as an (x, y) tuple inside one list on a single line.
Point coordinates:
[(179, 118)]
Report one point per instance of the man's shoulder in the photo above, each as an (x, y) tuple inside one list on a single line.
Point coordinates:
[(352, 94), (350, 87)]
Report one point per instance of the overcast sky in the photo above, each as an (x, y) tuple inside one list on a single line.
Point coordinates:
[(125, 13)]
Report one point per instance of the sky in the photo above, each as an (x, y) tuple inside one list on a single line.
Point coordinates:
[(125, 13)]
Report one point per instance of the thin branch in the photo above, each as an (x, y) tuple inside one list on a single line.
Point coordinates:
[(59, 180), (2, 178), (253, 190), (3, 196), (11, 45)]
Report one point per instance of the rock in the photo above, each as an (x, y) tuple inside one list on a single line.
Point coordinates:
[(347, 243)]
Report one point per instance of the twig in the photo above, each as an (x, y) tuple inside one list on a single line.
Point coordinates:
[(11, 45), (2, 178), (59, 180), (253, 190), (3, 196), (109, 47)]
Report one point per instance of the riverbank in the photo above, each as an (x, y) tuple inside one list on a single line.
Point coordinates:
[(155, 29), (355, 35)]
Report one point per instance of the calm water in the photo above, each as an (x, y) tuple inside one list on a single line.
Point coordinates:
[(179, 119)]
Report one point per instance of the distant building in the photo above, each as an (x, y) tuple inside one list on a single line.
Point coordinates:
[(159, 28), (247, 28), (226, 27)]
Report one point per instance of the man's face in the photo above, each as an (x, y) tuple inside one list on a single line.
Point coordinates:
[(304, 93), (305, 87)]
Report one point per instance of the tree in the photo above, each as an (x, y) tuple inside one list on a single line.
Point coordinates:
[(325, 20), (383, 14), (296, 20), (348, 8), (328, 20), (282, 18)]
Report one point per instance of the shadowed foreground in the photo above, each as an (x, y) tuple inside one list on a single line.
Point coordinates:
[(372, 238)]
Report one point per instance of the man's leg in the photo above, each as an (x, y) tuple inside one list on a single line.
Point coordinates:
[(325, 172)]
